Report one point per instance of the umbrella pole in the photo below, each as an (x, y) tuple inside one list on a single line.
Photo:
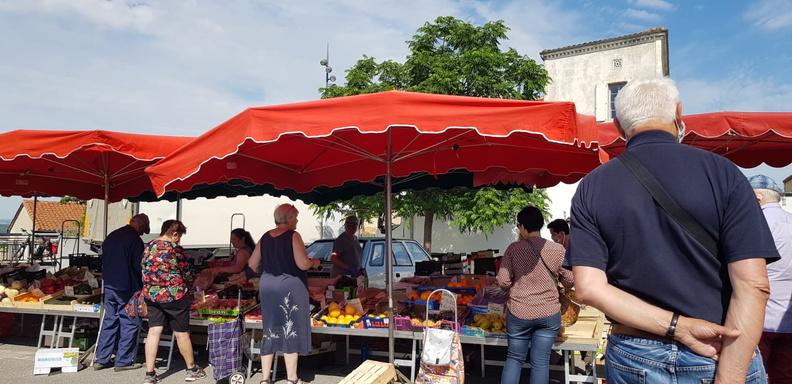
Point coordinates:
[(389, 250), (106, 199), (33, 244)]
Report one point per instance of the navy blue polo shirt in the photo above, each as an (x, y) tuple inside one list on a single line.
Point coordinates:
[(619, 228), (122, 252)]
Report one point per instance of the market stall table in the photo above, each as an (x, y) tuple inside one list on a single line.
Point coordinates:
[(583, 336)]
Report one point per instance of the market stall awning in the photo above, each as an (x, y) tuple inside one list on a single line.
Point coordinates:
[(746, 138), (84, 164), (326, 143)]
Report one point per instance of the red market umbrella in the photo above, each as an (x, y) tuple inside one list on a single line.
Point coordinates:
[(306, 145), (84, 164), (746, 138), (326, 143)]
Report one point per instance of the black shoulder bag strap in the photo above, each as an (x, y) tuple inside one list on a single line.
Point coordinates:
[(668, 204)]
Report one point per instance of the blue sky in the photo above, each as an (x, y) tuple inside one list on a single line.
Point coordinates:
[(182, 67)]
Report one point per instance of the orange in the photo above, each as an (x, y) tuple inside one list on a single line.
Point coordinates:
[(334, 313), (350, 310)]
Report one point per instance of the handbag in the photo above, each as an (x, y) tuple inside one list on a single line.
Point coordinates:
[(672, 208), (136, 306), (569, 307)]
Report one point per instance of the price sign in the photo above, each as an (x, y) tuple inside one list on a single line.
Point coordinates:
[(88, 276), (495, 308), (68, 291), (93, 283), (447, 303)]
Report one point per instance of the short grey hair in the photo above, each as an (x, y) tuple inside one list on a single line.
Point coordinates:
[(768, 195), (646, 100), (284, 213)]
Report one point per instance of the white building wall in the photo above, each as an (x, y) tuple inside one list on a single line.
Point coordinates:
[(582, 75), (23, 221), (209, 221)]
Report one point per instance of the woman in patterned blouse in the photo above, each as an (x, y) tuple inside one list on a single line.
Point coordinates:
[(167, 282), (533, 316)]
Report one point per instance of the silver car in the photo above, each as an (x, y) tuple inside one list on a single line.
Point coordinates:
[(406, 252)]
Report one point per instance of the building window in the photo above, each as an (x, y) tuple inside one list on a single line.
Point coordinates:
[(617, 63), (613, 90)]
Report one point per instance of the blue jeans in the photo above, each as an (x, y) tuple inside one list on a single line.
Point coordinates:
[(537, 335), (630, 359)]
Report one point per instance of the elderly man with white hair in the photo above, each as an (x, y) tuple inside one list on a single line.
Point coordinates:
[(686, 300), (776, 341)]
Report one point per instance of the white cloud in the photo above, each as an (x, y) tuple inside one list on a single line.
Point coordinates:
[(655, 4), (181, 68), (739, 92), (771, 14), (640, 14)]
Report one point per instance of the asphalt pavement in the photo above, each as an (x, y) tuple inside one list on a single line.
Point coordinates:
[(17, 359)]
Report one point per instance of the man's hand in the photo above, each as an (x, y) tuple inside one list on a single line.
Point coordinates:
[(703, 337)]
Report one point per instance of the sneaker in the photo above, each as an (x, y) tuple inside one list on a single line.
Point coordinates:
[(151, 378), (194, 374), (128, 367)]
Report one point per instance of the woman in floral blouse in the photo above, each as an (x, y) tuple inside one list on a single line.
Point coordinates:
[(167, 282)]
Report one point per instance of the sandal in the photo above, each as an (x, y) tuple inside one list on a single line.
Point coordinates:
[(297, 381), (265, 382)]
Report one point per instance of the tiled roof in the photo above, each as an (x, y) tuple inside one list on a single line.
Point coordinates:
[(50, 215)]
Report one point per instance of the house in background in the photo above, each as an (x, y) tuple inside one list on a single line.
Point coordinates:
[(591, 74), (50, 216)]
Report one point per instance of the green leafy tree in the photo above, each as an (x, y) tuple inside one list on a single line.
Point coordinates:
[(70, 199), (452, 57)]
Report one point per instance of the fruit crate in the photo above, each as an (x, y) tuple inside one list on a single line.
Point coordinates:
[(59, 302), (88, 304), (37, 275), (374, 322), (207, 309), (235, 291), (20, 301), (8, 277), (351, 324), (402, 323)]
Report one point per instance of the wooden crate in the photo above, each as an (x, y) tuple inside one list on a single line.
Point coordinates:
[(371, 372)]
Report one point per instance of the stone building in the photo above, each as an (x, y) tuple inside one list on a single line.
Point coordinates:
[(591, 74)]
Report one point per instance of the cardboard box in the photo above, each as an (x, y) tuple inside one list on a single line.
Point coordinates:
[(485, 254), (62, 342), (64, 358)]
